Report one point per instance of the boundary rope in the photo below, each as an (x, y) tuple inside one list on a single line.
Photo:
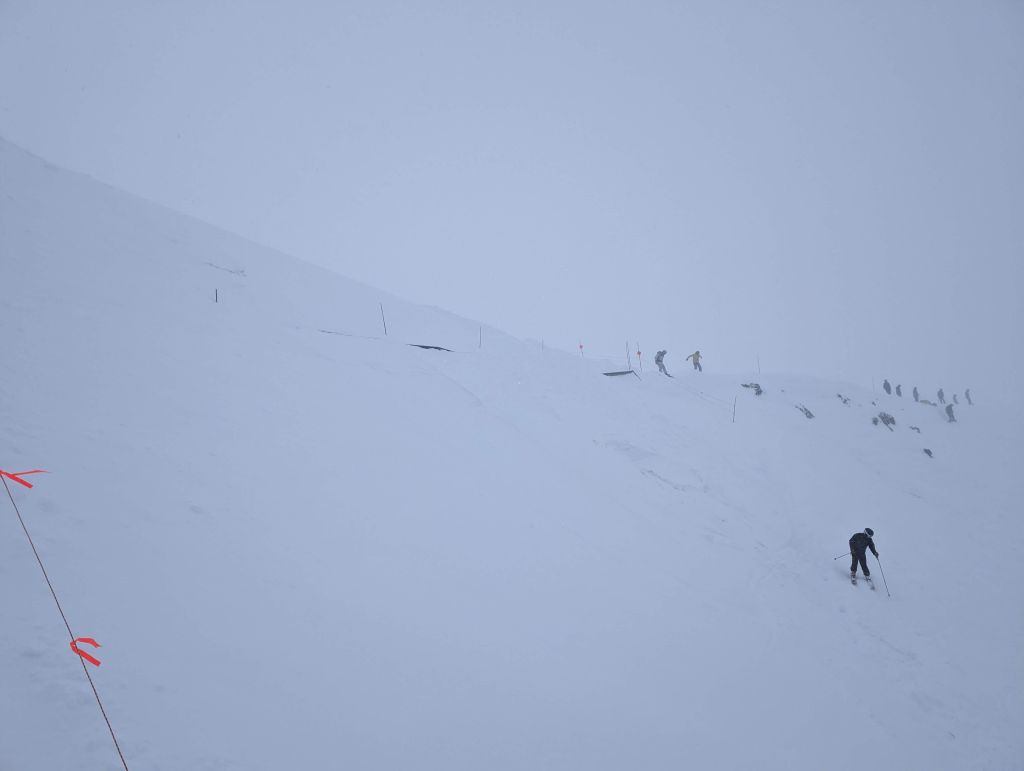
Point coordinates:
[(66, 624)]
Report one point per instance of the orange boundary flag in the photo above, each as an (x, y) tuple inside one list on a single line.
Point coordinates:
[(88, 641), (16, 475)]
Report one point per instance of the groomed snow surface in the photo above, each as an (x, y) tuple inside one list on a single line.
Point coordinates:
[(303, 544)]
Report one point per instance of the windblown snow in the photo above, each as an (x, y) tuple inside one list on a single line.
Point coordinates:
[(303, 543)]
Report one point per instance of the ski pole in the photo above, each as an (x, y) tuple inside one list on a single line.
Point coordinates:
[(841, 556), (883, 575)]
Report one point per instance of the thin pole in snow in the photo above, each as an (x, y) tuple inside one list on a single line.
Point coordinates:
[(759, 365), (216, 296), (581, 349), (638, 357), (883, 575), (734, 409), (383, 319), (481, 338)]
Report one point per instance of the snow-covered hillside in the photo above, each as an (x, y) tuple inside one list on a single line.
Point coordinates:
[(305, 544)]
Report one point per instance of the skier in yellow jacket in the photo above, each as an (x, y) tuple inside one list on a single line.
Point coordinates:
[(696, 360)]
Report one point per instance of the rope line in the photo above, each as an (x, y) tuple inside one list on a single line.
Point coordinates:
[(66, 624)]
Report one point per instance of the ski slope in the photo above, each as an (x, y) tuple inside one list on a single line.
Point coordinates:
[(305, 544)]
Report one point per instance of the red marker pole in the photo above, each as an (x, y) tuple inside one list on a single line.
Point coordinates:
[(581, 350)]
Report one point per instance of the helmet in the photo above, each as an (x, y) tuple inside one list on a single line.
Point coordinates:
[(870, 532)]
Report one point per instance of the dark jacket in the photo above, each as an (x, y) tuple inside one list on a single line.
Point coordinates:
[(860, 543)]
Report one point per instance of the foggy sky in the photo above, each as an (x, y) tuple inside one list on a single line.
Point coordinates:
[(835, 188)]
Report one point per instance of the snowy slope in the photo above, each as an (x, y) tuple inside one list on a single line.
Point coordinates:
[(303, 544)]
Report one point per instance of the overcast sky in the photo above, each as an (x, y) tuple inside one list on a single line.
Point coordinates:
[(837, 188)]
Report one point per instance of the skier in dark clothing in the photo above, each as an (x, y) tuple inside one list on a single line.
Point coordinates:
[(659, 359), (859, 545), (887, 387), (899, 391), (916, 399), (967, 395), (942, 396), (949, 413)]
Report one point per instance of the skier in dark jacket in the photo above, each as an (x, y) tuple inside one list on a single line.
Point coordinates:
[(916, 397), (859, 545), (967, 395), (899, 391), (942, 396), (949, 413), (887, 387), (659, 359)]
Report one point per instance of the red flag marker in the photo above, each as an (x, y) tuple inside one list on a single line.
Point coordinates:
[(88, 641), (16, 476)]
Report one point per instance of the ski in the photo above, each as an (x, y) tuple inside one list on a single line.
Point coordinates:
[(871, 583)]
